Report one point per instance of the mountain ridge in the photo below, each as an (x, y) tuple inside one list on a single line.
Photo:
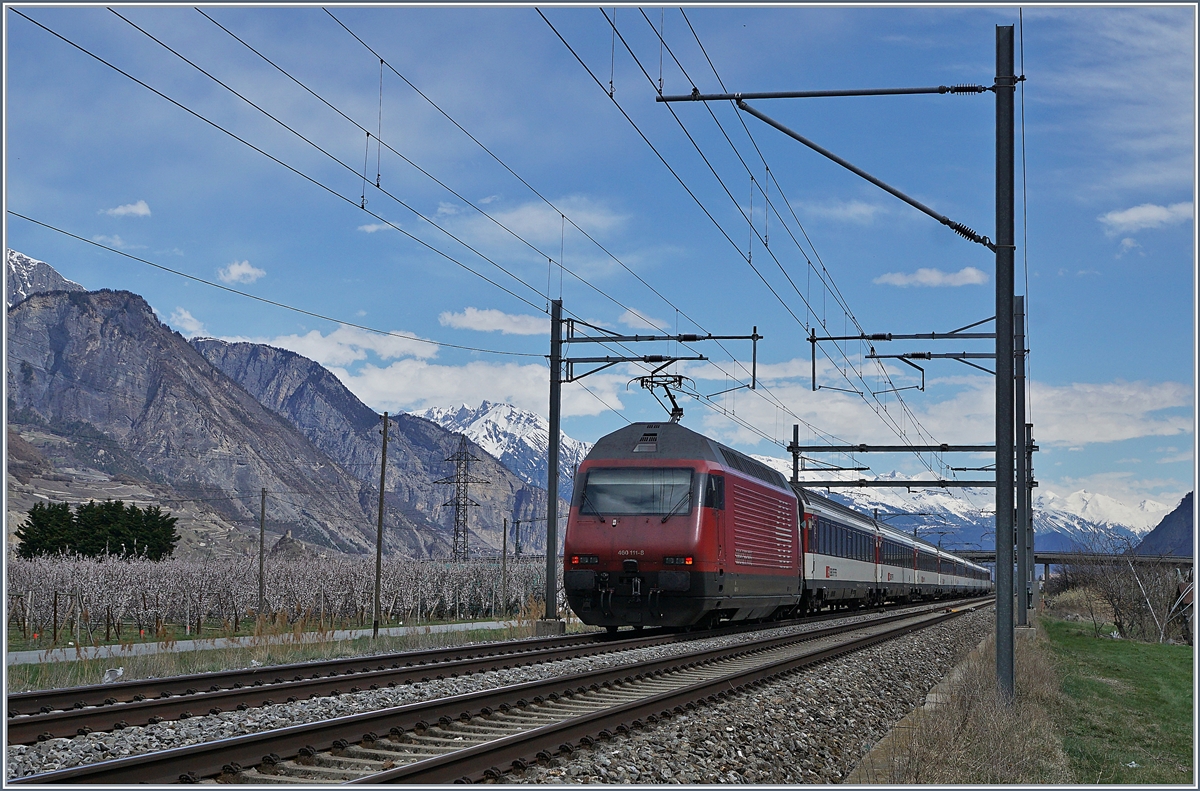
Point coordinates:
[(102, 362), (518, 438), (26, 276), (1175, 534), (1060, 523), (314, 400)]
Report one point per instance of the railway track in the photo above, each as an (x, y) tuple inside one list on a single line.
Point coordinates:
[(483, 734), (42, 715)]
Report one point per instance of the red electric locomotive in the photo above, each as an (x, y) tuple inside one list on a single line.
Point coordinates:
[(670, 528)]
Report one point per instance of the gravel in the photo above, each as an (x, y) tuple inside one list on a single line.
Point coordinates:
[(811, 727), (813, 709)]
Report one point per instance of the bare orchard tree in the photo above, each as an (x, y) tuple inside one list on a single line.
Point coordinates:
[(98, 596), (1142, 598)]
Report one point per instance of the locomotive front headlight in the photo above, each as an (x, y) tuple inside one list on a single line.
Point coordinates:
[(678, 560), (584, 560)]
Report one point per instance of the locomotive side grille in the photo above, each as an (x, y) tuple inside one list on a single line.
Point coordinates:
[(752, 468), (762, 530)]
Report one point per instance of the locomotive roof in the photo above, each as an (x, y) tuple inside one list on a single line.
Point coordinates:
[(644, 441)]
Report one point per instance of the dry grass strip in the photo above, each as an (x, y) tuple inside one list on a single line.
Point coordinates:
[(964, 735)]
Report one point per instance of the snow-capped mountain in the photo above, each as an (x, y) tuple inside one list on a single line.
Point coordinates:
[(963, 518), (519, 439), (1104, 510), (29, 276)]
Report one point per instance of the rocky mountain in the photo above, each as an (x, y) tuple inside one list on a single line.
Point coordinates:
[(1175, 534), (109, 392), (518, 438), (29, 276), (962, 518), (311, 398)]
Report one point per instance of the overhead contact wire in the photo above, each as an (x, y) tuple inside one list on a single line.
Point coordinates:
[(340, 162)]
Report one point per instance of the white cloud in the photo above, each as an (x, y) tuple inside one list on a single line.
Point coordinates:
[(446, 209), (541, 225), (1084, 413), (1123, 80), (139, 209), (117, 242), (1127, 245), (416, 384), (488, 199), (375, 226), (637, 320), (186, 323), (967, 276), (1147, 215), (491, 320), (347, 345), (240, 272), (1072, 415), (854, 211)]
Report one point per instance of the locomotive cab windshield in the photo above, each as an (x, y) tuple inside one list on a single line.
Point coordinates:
[(637, 491)]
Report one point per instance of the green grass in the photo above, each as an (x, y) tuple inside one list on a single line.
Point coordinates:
[(1127, 703)]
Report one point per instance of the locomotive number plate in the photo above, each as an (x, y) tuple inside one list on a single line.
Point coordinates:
[(628, 552)]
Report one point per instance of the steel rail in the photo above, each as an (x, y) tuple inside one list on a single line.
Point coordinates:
[(114, 706), (520, 750), (214, 758), (96, 694), (194, 702)]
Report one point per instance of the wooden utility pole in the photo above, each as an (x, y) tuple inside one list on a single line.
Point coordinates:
[(504, 567), (262, 543), (379, 529)]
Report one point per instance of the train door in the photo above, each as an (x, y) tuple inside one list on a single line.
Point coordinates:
[(878, 568), (714, 498)]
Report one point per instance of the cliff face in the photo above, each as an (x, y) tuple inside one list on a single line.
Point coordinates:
[(335, 421), (99, 370), (27, 276), (1174, 534)]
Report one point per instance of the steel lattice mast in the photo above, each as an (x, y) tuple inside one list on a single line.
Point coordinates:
[(461, 481)]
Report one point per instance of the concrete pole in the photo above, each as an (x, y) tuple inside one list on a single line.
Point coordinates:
[(1005, 90), (1029, 539), (552, 472), (1022, 459)]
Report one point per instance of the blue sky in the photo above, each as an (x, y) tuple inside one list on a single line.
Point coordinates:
[(1109, 131)]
